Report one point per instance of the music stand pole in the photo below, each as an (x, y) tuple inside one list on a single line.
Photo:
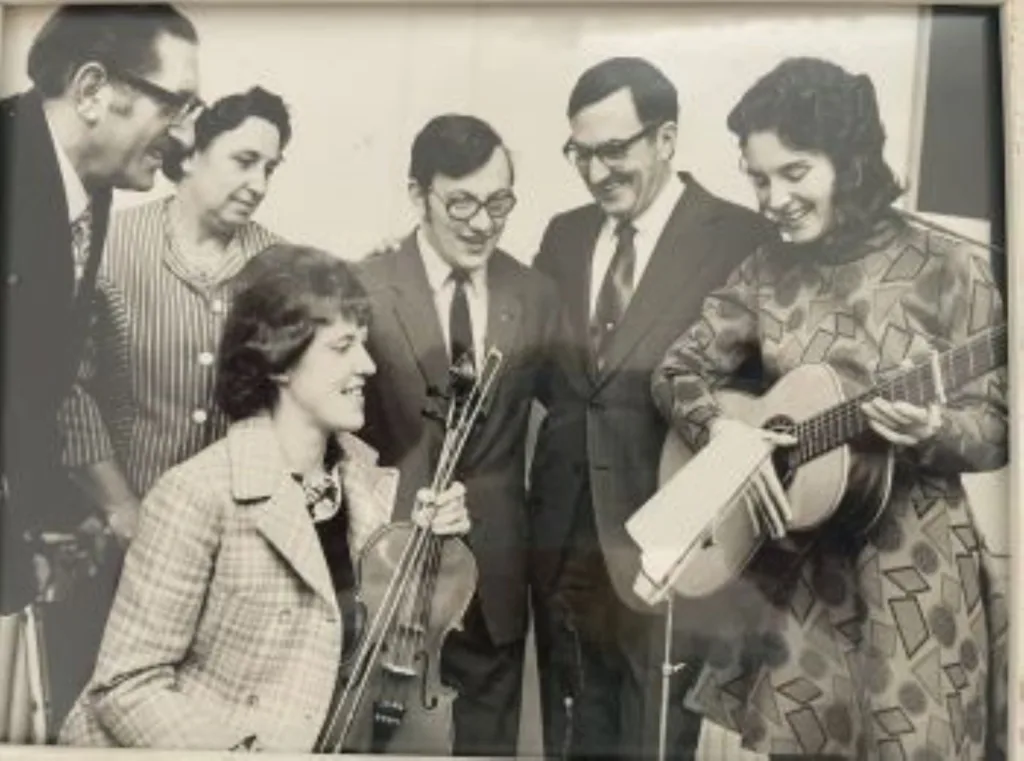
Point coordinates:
[(668, 669)]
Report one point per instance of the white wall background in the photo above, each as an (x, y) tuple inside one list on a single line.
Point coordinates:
[(362, 81)]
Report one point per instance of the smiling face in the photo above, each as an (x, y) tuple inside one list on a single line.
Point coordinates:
[(229, 177), (795, 189), (626, 184), (324, 389), (465, 243)]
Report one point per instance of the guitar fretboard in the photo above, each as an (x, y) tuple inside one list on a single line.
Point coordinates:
[(918, 386)]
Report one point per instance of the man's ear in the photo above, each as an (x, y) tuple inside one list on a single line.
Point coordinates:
[(666, 140), (90, 91), (418, 198)]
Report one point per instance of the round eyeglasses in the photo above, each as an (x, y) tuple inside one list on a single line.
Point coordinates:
[(462, 207)]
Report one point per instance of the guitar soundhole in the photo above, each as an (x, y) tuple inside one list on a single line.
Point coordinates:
[(783, 458)]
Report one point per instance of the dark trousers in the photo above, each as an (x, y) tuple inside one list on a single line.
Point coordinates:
[(73, 630), (600, 663), (488, 679)]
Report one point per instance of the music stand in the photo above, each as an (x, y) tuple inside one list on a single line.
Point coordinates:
[(654, 594)]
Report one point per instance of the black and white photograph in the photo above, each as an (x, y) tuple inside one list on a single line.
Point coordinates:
[(503, 380)]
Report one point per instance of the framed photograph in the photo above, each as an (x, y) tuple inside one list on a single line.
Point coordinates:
[(563, 321)]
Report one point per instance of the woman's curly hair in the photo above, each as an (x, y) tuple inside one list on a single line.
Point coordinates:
[(815, 105), (281, 297), (227, 114)]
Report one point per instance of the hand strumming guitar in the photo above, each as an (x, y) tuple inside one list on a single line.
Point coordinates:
[(776, 438)]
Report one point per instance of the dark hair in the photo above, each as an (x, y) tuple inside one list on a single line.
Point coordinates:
[(225, 115), (654, 96), (453, 145), (121, 37), (281, 297), (815, 105)]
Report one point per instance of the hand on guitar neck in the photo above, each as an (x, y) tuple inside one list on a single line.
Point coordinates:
[(902, 423)]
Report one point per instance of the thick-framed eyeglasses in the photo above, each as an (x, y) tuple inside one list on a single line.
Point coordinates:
[(181, 106), (462, 207), (611, 152)]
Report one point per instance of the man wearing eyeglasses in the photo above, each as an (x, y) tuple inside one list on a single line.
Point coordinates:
[(632, 269), (113, 87), (444, 298)]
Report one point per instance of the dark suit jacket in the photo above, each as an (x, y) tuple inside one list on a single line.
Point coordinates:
[(602, 426), (406, 342), (44, 325)]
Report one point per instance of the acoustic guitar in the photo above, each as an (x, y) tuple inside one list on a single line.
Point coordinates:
[(835, 471)]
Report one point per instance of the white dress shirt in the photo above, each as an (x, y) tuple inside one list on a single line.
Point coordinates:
[(74, 189), (649, 226), (442, 288), (76, 196)]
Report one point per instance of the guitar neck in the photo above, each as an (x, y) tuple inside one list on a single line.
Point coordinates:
[(919, 386)]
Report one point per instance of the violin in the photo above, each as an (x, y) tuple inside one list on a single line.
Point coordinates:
[(414, 587)]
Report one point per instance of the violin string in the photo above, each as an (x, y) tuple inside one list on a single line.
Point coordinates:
[(374, 639), (396, 595)]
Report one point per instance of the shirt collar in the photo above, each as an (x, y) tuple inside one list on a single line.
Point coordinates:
[(74, 189), (654, 218), (438, 269)]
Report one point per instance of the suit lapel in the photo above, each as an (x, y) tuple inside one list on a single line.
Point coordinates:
[(504, 326), (417, 314), (578, 296), (284, 522), (504, 305), (680, 243), (48, 244)]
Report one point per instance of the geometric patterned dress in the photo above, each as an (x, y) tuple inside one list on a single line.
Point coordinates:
[(888, 644)]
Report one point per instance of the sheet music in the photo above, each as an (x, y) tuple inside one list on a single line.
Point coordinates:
[(677, 516)]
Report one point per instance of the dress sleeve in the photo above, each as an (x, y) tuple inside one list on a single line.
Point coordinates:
[(707, 354), (960, 298)]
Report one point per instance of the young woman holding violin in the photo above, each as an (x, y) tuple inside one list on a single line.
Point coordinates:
[(235, 608)]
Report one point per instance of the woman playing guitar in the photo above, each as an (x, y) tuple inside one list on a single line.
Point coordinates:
[(874, 639)]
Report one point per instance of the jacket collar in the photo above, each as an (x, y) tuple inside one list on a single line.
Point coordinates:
[(258, 466)]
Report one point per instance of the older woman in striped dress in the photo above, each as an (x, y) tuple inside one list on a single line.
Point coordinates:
[(145, 398)]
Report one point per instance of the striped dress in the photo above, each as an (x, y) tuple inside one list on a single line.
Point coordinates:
[(145, 392)]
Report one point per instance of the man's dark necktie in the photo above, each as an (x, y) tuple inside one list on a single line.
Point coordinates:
[(617, 288), (459, 325)]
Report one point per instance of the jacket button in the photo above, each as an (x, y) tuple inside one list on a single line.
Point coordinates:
[(252, 701), (13, 279), (285, 614), (330, 617)]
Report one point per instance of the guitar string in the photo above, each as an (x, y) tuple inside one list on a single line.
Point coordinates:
[(958, 366)]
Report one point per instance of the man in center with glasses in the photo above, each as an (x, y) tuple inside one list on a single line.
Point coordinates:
[(445, 296), (632, 269)]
